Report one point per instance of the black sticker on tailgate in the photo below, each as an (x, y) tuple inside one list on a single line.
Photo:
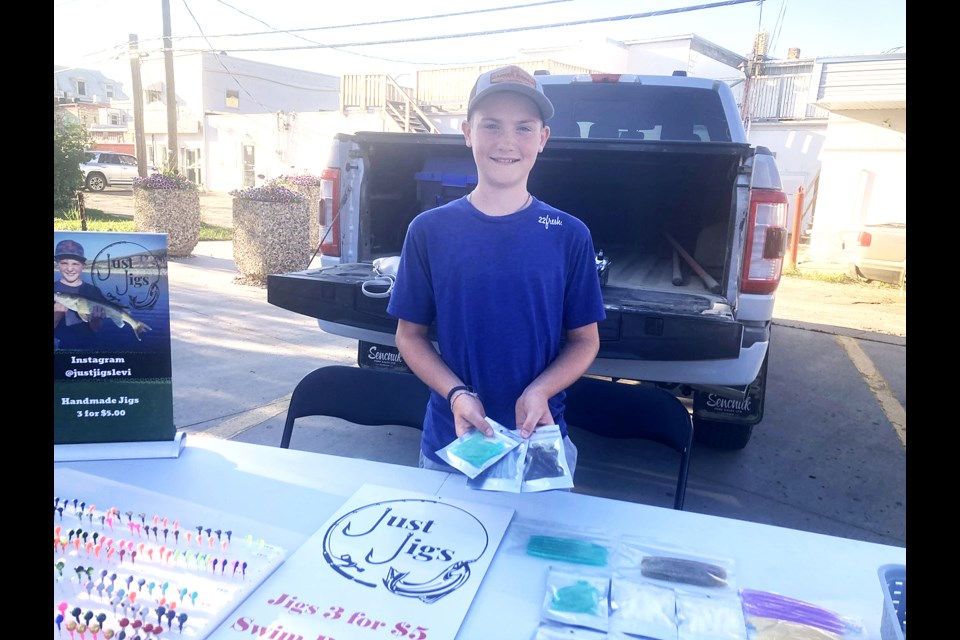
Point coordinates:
[(371, 355)]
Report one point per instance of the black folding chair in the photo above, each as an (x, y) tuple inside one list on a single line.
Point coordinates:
[(358, 395), (623, 410)]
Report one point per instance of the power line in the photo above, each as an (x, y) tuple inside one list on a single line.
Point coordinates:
[(273, 31), (233, 77), (120, 52), (377, 22), (778, 26), (555, 25), (274, 80), (121, 48), (294, 32), (338, 46)]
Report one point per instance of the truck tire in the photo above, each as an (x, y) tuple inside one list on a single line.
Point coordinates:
[(730, 436)]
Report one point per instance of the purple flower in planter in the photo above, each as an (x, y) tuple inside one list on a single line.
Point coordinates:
[(270, 192), (302, 180), (167, 180)]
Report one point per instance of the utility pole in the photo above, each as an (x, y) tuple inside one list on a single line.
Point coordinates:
[(139, 140), (753, 68), (173, 147)]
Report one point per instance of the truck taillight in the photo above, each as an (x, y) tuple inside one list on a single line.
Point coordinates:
[(864, 239), (766, 241), (330, 212)]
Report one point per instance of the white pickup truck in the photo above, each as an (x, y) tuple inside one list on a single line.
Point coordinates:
[(688, 219)]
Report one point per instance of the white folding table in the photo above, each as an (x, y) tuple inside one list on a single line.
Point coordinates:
[(290, 494)]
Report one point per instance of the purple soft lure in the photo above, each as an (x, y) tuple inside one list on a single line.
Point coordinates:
[(772, 605)]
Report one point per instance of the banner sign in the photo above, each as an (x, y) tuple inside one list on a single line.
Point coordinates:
[(111, 338), (388, 564)]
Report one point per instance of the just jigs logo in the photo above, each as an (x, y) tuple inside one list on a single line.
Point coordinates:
[(413, 548), (127, 273)]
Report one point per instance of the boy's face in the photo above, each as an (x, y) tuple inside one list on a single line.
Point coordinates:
[(70, 271), (506, 133)]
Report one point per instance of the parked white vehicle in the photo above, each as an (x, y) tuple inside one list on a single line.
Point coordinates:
[(108, 169)]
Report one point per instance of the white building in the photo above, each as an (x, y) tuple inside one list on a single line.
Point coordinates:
[(236, 118), (88, 97), (838, 127)]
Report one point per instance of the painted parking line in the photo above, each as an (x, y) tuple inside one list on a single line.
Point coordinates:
[(891, 407), (236, 425)]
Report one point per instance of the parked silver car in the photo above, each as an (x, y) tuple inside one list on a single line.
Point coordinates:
[(108, 168)]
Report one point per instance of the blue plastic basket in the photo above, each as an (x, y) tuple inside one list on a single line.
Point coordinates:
[(893, 623)]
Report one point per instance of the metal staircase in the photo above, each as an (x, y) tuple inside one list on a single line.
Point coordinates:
[(408, 116), (440, 91), (380, 92)]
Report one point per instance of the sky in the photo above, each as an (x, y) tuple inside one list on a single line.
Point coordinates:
[(386, 36)]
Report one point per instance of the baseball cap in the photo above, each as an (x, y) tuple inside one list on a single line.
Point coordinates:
[(69, 249), (510, 78)]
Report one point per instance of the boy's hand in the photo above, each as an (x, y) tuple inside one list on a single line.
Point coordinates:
[(59, 311), (95, 321), (468, 414), (532, 411)]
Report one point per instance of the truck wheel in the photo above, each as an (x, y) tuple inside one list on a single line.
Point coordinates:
[(721, 435)]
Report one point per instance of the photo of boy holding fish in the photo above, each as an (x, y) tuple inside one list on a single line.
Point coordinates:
[(112, 371), (79, 308), (70, 331)]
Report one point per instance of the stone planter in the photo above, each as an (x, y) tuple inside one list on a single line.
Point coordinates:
[(312, 193), (175, 212), (270, 237)]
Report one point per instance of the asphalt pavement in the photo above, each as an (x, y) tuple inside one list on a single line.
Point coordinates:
[(236, 358)]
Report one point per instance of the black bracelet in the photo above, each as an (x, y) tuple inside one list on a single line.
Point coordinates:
[(462, 387)]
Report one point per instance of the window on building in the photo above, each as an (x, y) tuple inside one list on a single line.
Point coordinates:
[(233, 99), (81, 88), (153, 95), (115, 118), (109, 90)]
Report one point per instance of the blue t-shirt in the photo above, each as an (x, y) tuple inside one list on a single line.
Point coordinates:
[(502, 290)]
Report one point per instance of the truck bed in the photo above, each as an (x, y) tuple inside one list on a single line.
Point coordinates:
[(632, 195)]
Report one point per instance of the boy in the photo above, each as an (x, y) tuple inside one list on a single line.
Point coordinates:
[(506, 278), (69, 330)]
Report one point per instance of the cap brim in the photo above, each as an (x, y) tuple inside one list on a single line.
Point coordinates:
[(63, 256), (544, 104)]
